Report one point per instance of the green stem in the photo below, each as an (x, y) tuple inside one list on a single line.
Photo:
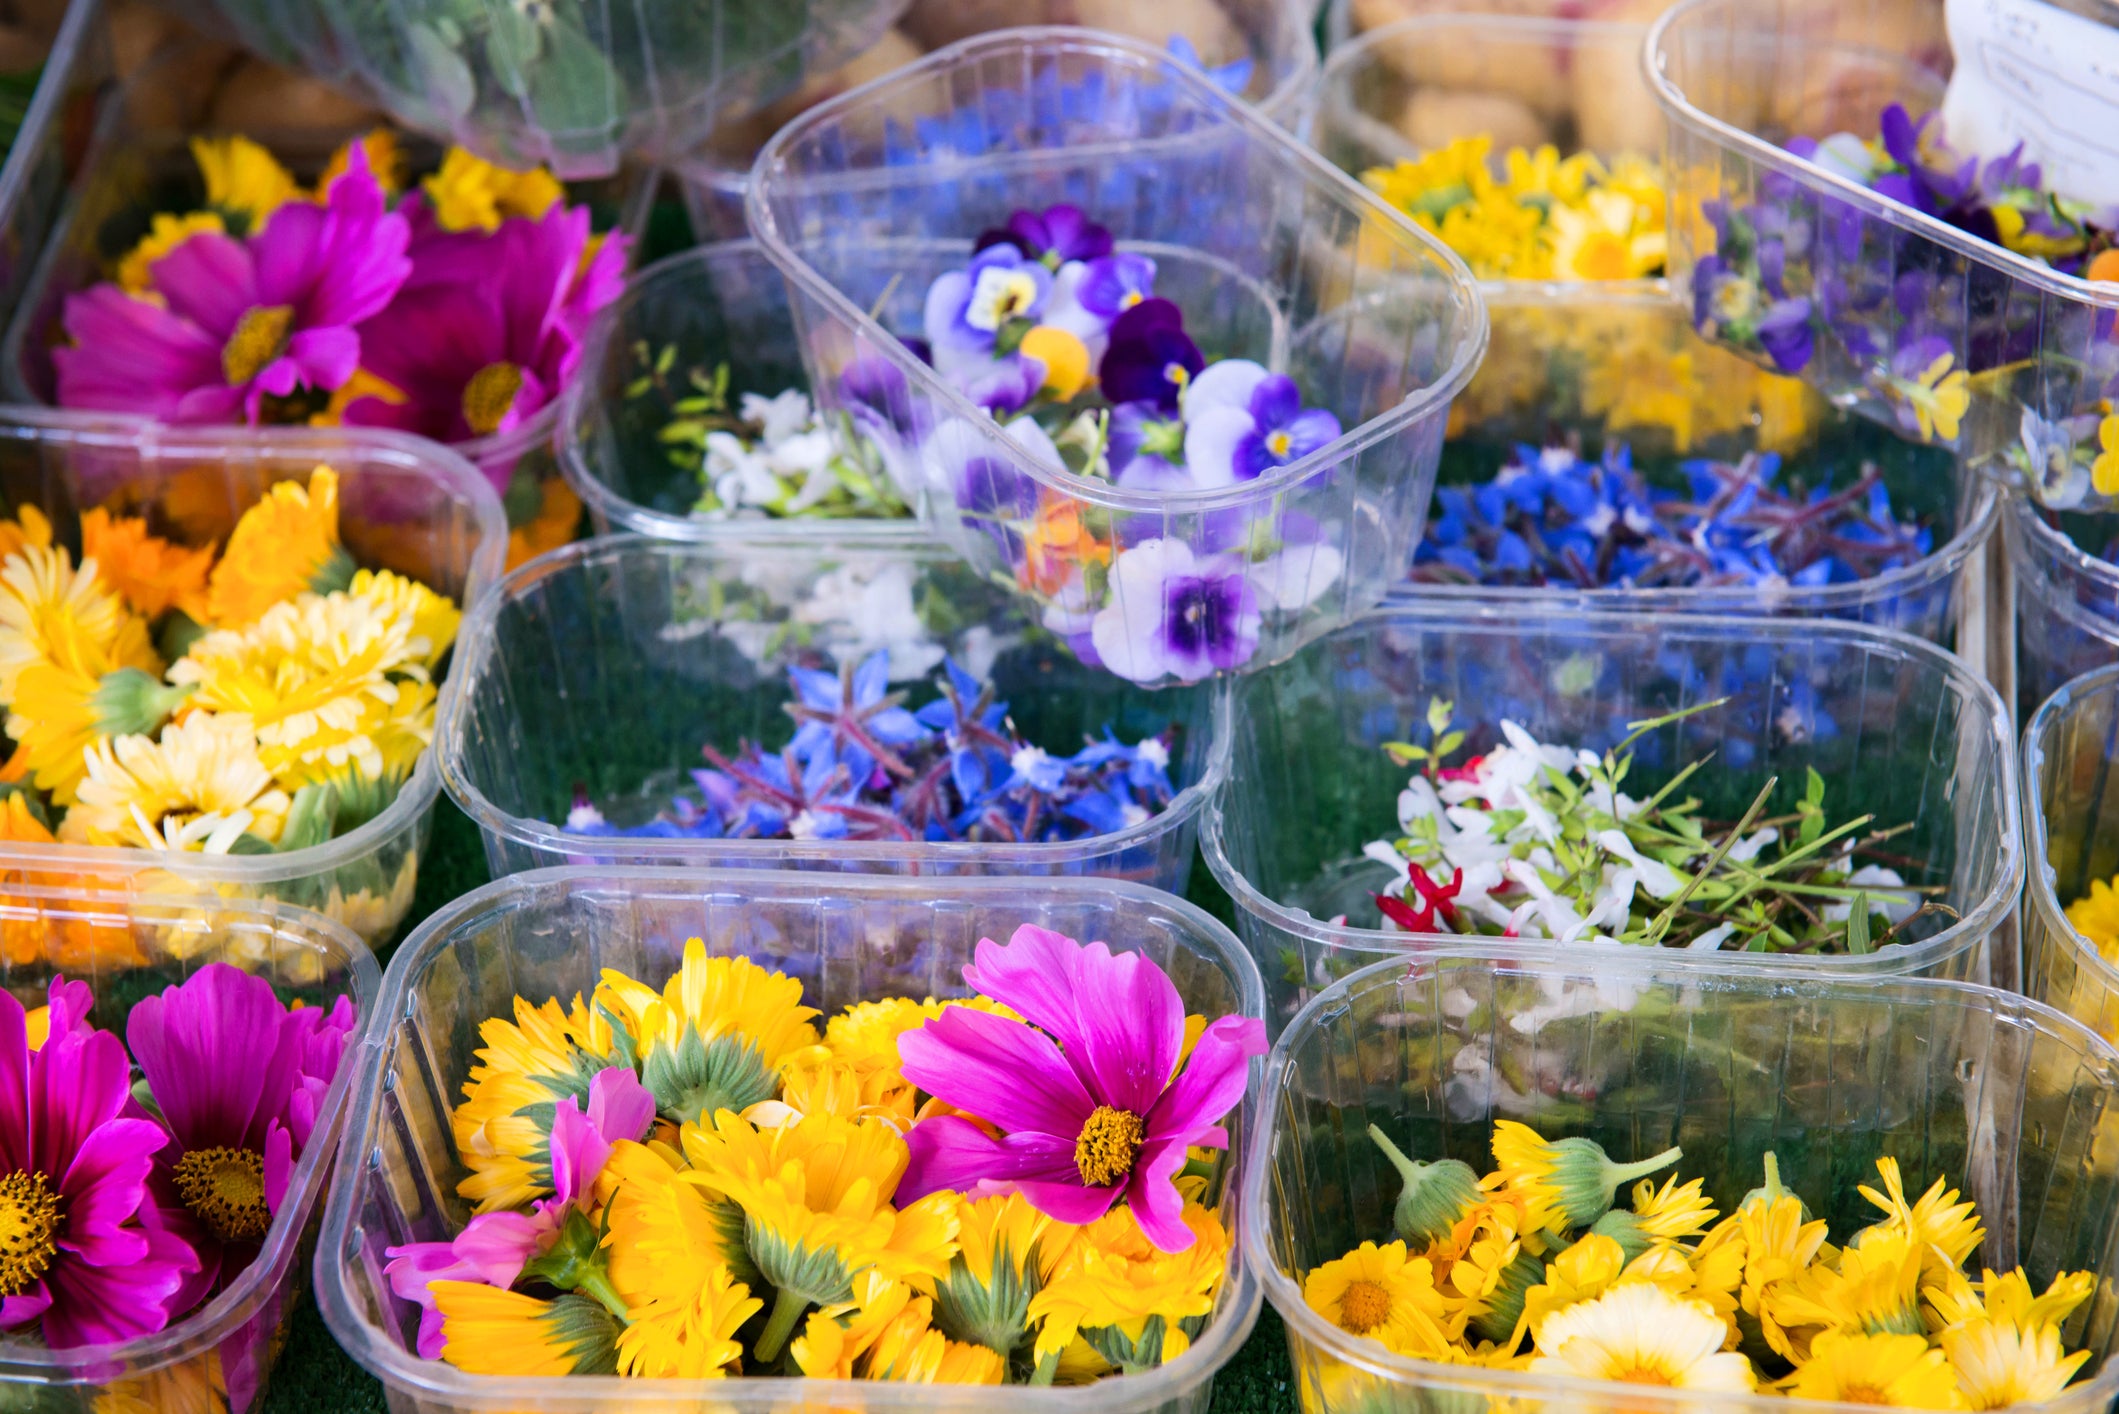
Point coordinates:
[(1627, 1173), (596, 1283), (788, 1307), (1047, 1367)]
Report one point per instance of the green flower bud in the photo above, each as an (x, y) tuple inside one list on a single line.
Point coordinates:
[(130, 703), (1772, 1191), (1623, 1228), (1504, 1307), (1435, 1195), (1573, 1179)]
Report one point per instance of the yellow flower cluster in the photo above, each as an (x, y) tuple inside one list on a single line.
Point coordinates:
[(299, 698), (2096, 916), (756, 1228), (1532, 1268), (1543, 217)]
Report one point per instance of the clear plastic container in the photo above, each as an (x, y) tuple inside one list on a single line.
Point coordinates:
[(1897, 728), (405, 504), (722, 305), (218, 1359), (2005, 1099), (1738, 78), (1276, 36), (604, 667), (551, 933), (2071, 828), (1272, 254), (47, 147), (2067, 599)]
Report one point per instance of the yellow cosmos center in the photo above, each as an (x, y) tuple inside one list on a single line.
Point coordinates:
[(1365, 1306), (226, 1188), (489, 395), (29, 1218), (1108, 1144), (260, 337)]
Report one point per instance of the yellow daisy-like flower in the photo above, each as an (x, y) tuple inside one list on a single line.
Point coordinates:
[(545, 1053), (886, 1332), (689, 1335), (136, 271), (1945, 1229), (1113, 1283), (1939, 398), (1608, 236), (52, 612), (151, 574), (469, 193), (1875, 1291), (1896, 1370), (1380, 1293), (1779, 1247), (1544, 174), (1581, 1272), (285, 544), (1561, 1182), (1437, 180), (489, 1331), (2104, 471), (2096, 914), (243, 179), (434, 618), (1957, 1301), (1006, 1251), (60, 712), (2000, 1363), (1638, 1333), (665, 1232), (28, 528), (865, 1036), (386, 160), (200, 787)]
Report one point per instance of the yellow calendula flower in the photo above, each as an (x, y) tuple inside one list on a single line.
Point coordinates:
[(665, 1231), (1939, 398), (1896, 1370), (60, 712), (469, 193), (1115, 1287), (886, 1332), (1437, 180), (433, 618), (1381, 1293), (1543, 174), (1608, 236), (200, 787), (28, 528), (164, 234), (1562, 1182), (1006, 1250), (1875, 1290), (1638, 1333), (151, 574), (244, 181), (2096, 916), (1957, 1300), (558, 517), (545, 1053), (1779, 1248), (1945, 1229), (1673, 1213), (1580, 1272), (52, 612), (1998, 1364), (386, 161), (865, 1035), (688, 1335), (284, 545), (489, 1331)]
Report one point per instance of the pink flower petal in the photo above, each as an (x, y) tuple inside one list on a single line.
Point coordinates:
[(26, 1306), (1000, 1070), (132, 356), (209, 280), (14, 1086), (1212, 1082), (326, 356), (619, 1105), (77, 1083), (493, 1246), (1132, 1027), (289, 255), (578, 1151), (951, 1152), (279, 1165), (1153, 1196), (217, 1056), (1066, 1202), (1033, 976), (98, 1305), (103, 1187)]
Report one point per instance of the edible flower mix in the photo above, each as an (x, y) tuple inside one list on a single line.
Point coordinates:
[(711, 1180)]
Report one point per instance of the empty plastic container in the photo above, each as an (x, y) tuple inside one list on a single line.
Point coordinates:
[(1898, 729), (2006, 1100), (405, 504), (598, 672), (220, 1357), (2067, 599), (1884, 289), (1272, 254), (2071, 828), (47, 147), (1264, 51), (847, 940), (715, 306)]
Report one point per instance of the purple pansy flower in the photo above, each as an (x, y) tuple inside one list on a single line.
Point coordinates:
[(1146, 449), (1151, 359), (1241, 422), (1089, 296), (966, 309), (1785, 334), (1174, 614), (1087, 1089), (1054, 236)]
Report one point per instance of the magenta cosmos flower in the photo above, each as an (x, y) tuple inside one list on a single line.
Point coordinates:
[(1090, 1098), (488, 329), (236, 322), (77, 1253), (237, 1078)]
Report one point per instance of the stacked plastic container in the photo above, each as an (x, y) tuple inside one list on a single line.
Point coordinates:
[(47, 147), (2071, 826)]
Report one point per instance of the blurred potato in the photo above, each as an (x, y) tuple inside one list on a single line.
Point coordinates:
[(1436, 117), (257, 97)]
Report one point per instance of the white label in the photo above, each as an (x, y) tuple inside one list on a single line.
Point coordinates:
[(2032, 73)]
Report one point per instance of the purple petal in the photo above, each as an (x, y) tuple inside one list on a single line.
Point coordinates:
[(279, 1165), (198, 1045), (1157, 1205), (103, 1187), (578, 1152), (1030, 976), (100, 1305), (77, 1083), (619, 1105), (953, 1153), (26, 1306), (997, 1069), (209, 280), (1311, 431), (14, 1087), (131, 356), (1275, 401), (493, 1246), (1132, 1027), (325, 356), (1212, 1082)]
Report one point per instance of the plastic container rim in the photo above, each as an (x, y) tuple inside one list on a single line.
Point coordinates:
[(419, 792), (400, 1369), (2056, 545), (1965, 933), (1680, 110), (198, 1333), (2043, 883), (1372, 1358), (477, 639), (1052, 40)]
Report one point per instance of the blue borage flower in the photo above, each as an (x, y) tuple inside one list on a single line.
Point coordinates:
[(1550, 518), (862, 766)]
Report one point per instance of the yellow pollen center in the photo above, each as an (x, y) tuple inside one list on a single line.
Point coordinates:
[(29, 1218), (1108, 1144), (1129, 299), (1278, 444), (489, 395), (1641, 1375), (226, 1188), (1602, 257), (1365, 1306), (260, 337), (1861, 1394)]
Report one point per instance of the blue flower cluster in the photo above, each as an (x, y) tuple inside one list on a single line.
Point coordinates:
[(1551, 518), (863, 766)]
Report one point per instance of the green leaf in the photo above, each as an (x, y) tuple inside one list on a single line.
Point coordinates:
[(574, 91), (513, 43), (1858, 926), (444, 76)]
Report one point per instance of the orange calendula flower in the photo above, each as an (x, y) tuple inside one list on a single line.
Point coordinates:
[(286, 543), (552, 526), (29, 528), (151, 574), (1057, 543)]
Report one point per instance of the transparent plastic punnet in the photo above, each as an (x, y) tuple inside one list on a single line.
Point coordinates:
[(1875, 303), (2071, 827), (1273, 38), (40, 161), (598, 672), (2007, 1100), (848, 940), (2067, 598), (712, 307), (1897, 728), (218, 1359), (1272, 255), (405, 504)]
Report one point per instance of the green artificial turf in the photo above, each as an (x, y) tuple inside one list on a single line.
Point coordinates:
[(316, 1377)]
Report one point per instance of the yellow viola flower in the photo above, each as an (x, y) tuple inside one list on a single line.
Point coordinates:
[(60, 712), (2104, 471), (285, 544), (1896, 1370), (433, 618), (1381, 1293), (136, 271), (1115, 1288), (469, 193), (886, 1333), (1945, 1229), (201, 787), (488, 1331), (2096, 915), (1998, 1364), (1638, 1333), (546, 1052), (243, 180), (1064, 356), (688, 1335), (1939, 398), (52, 612), (150, 574)]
